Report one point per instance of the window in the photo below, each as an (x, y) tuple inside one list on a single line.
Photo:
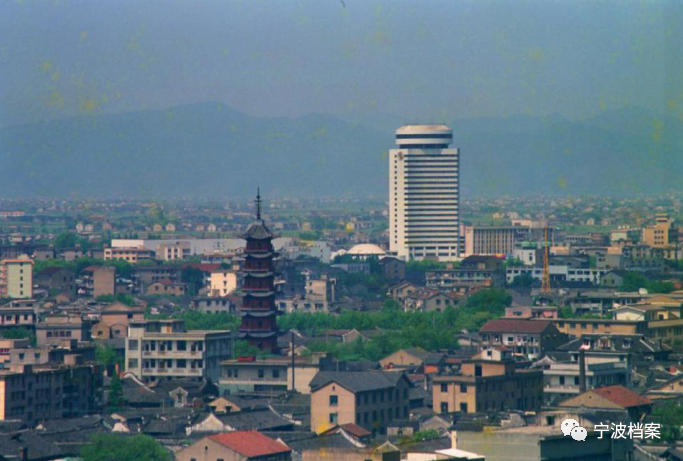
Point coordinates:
[(444, 388), (133, 344), (334, 400), (276, 373), (261, 373), (463, 388), (333, 418), (132, 363)]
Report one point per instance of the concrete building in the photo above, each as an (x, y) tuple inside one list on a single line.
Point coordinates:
[(214, 305), (489, 381), (662, 234), (173, 251), (131, 255), (249, 374), (424, 194), (13, 317), (530, 338), (558, 273), (578, 327), (371, 400), (56, 279), (97, 281), (143, 276), (56, 328), (16, 278), (489, 240), (222, 282), (562, 380), (38, 393), (158, 349), (114, 321)]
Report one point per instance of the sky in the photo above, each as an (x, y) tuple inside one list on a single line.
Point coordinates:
[(360, 59)]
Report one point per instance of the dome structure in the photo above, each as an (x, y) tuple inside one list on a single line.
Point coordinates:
[(366, 249)]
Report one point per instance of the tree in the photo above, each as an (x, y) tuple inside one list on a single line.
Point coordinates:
[(116, 400), (670, 416), (110, 447), (523, 280), (194, 278)]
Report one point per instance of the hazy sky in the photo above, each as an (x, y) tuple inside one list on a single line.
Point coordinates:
[(411, 59)]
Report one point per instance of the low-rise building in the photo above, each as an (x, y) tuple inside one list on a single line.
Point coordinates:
[(563, 379), (131, 255), (214, 305), (236, 446), (167, 287), (17, 317), (158, 349), (275, 374), (56, 328), (114, 321), (371, 400), (56, 279), (490, 381), (578, 327), (530, 338)]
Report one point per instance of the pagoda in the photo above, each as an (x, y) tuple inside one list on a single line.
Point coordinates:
[(258, 311)]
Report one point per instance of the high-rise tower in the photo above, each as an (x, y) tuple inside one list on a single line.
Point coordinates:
[(424, 201), (258, 311)]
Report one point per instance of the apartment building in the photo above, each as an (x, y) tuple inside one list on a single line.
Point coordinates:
[(38, 393), (663, 233), (222, 282), (558, 273), (56, 279), (578, 327), (143, 276), (56, 328), (114, 320), (132, 255), (16, 278), (371, 399), (527, 337), (274, 374), (489, 381), (173, 251), (97, 281), (214, 305), (158, 349), (13, 317), (563, 379)]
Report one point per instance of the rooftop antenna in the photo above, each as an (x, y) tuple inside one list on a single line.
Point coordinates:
[(258, 203)]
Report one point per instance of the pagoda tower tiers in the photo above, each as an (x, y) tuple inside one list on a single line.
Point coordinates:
[(258, 310)]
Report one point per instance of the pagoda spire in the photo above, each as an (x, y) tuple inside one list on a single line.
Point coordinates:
[(258, 203)]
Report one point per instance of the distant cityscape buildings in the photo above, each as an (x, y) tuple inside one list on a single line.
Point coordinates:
[(424, 201)]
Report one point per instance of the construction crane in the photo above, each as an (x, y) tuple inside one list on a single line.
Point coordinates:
[(545, 286)]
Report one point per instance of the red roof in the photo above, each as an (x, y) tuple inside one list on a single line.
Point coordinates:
[(623, 397), (250, 443), (515, 326), (355, 430), (203, 266)]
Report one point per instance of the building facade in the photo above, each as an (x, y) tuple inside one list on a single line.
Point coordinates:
[(424, 194), (16, 278), (159, 349)]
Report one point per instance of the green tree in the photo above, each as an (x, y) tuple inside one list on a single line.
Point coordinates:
[(111, 447), (670, 416), (116, 401), (194, 279)]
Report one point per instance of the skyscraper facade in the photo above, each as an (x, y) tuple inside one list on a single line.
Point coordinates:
[(424, 194)]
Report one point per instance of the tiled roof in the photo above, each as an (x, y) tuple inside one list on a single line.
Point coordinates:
[(250, 443), (514, 326), (355, 430), (357, 381), (621, 396)]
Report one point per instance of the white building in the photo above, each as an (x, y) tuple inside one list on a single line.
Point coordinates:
[(424, 194), (157, 349)]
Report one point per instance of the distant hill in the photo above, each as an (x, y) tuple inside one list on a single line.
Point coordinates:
[(210, 150)]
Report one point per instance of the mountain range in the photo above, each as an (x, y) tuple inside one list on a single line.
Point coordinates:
[(211, 150)]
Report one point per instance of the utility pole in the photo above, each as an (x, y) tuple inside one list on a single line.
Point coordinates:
[(291, 348)]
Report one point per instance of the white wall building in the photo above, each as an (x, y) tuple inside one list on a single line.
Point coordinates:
[(424, 191)]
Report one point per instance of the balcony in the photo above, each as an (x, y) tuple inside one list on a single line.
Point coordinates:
[(172, 371), (174, 354)]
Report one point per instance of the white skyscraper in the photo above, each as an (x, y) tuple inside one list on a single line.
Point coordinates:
[(424, 194)]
